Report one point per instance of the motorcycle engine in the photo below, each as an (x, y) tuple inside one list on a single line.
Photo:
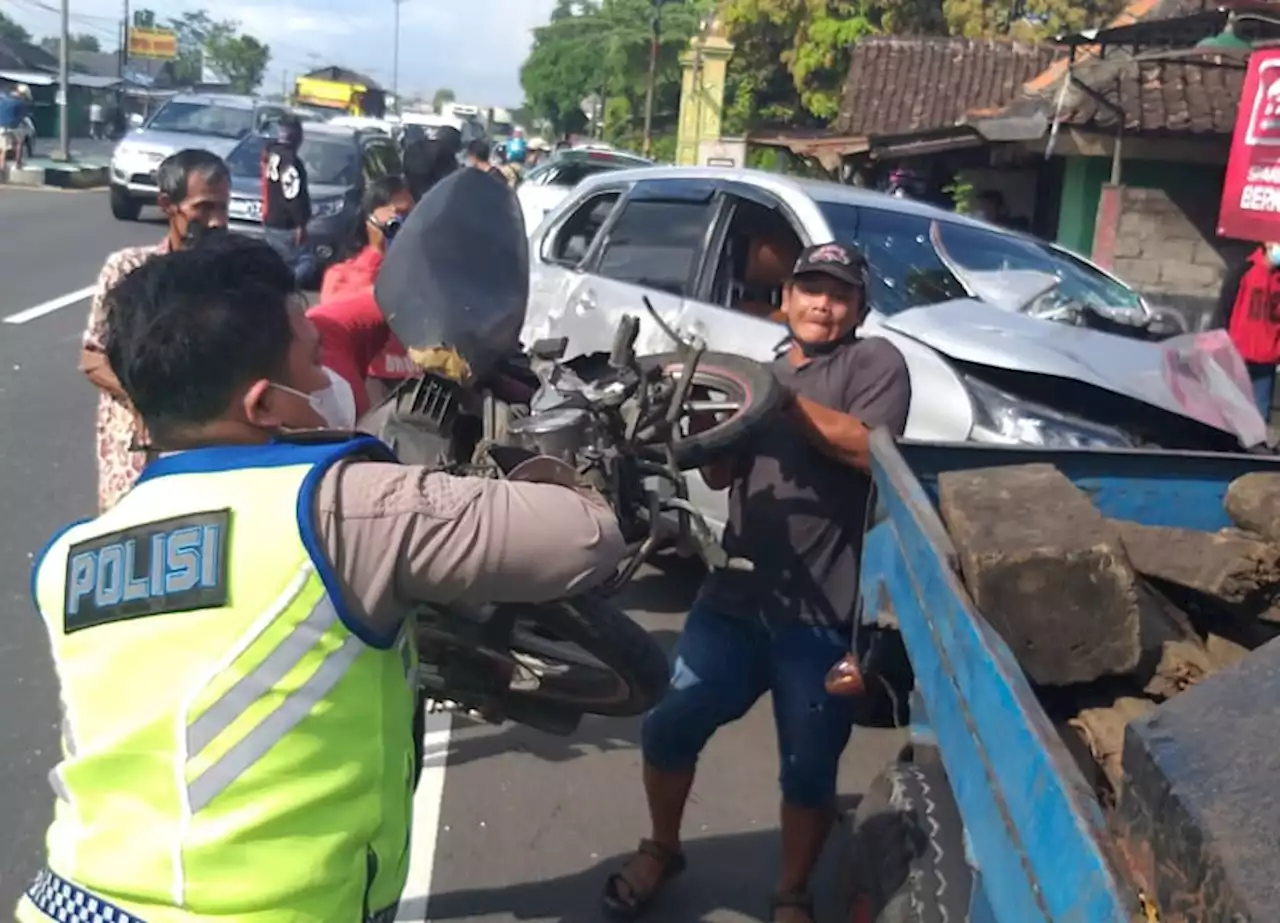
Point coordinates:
[(561, 433)]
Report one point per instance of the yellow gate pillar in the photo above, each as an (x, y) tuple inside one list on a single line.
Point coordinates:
[(705, 66)]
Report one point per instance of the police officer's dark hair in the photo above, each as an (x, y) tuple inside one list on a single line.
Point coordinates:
[(479, 149), (187, 329), (174, 173)]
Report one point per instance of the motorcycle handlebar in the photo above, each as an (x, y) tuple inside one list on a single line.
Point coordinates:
[(623, 354)]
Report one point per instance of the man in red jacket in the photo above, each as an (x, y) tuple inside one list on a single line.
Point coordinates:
[(1249, 308)]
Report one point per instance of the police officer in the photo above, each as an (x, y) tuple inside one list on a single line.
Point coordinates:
[(230, 638)]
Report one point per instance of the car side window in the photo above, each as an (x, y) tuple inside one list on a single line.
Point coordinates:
[(574, 238), (655, 244), (759, 249), (390, 156), (374, 162)]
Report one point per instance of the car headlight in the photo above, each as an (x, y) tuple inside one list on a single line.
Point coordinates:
[(327, 208), (1003, 418)]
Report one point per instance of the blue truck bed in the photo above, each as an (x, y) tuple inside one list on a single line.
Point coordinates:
[(1039, 842)]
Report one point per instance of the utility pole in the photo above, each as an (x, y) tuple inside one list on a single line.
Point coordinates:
[(395, 57), (64, 80), (124, 41), (650, 88)]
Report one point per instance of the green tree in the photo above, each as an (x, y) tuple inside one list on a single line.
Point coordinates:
[(1029, 20), (242, 59), (810, 38), (11, 31), (603, 47), (442, 97), (84, 42)]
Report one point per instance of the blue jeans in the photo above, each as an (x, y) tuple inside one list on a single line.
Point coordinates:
[(1263, 378), (724, 663), (300, 259)]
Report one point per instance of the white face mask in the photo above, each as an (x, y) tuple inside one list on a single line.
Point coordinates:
[(335, 404)]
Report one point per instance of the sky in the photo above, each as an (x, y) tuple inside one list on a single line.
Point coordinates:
[(474, 47)]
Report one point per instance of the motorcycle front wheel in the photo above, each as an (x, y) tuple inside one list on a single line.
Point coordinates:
[(746, 395)]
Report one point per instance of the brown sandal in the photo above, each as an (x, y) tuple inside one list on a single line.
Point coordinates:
[(636, 901), (791, 900)]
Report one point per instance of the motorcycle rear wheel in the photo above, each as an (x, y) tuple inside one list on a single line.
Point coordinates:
[(744, 382), (564, 658)]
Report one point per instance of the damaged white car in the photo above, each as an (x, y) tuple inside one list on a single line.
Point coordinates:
[(1008, 339)]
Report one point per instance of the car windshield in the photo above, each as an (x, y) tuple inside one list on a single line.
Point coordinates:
[(203, 119), (329, 161), (906, 270)]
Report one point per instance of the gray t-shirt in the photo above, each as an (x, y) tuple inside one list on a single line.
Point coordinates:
[(797, 513)]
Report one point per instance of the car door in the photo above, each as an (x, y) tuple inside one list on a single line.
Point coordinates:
[(651, 248), (556, 258)]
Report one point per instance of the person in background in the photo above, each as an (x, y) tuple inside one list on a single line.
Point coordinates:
[(386, 203), (97, 120), (516, 148), (797, 503), (242, 715), (478, 158), (195, 192), (989, 205), (508, 171), (1249, 310), (429, 160), (286, 198), (15, 107)]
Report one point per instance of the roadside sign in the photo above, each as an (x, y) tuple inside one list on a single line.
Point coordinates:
[(160, 44), (1250, 208)]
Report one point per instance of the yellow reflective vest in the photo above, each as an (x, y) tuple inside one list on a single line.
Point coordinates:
[(236, 745)]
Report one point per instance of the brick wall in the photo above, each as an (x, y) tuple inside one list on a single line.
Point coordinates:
[(1165, 247)]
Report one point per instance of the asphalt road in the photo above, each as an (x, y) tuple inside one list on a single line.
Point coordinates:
[(512, 825)]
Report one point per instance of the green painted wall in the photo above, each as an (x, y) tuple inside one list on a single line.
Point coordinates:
[(1084, 178), (1082, 181)]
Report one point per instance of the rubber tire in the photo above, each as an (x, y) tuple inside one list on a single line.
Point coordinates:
[(124, 207), (606, 632), (908, 855), (764, 396)]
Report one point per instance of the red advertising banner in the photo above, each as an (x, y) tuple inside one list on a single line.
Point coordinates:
[(1250, 208)]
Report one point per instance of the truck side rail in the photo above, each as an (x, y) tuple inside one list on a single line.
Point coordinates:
[(1036, 832)]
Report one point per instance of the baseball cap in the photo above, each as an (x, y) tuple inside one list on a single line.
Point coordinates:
[(835, 260)]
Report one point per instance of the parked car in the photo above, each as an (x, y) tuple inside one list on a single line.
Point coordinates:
[(546, 185), (339, 161), (213, 122), (1006, 338)]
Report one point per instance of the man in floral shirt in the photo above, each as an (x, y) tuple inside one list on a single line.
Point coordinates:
[(195, 191)]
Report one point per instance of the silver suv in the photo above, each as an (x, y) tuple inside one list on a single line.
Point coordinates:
[(213, 122)]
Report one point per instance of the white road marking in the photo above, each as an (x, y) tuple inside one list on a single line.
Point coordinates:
[(426, 817), (49, 307)]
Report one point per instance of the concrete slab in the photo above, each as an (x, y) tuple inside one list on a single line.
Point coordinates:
[(60, 175)]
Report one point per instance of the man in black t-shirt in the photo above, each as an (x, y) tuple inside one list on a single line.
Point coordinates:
[(286, 200), (798, 495)]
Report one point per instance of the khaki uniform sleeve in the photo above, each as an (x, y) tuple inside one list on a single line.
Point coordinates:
[(402, 534)]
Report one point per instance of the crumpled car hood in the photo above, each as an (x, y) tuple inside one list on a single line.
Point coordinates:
[(1197, 375)]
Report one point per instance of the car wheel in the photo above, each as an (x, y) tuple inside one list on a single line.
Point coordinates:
[(123, 206)]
